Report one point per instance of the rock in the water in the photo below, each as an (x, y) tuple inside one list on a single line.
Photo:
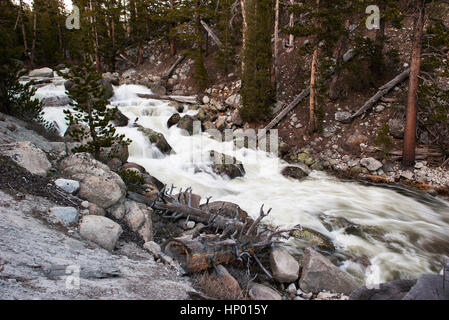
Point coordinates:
[(285, 268), (101, 230), (41, 73), (394, 290), (371, 164), (174, 119), (120, 120), (294, 172), (69, 84), (225, 165), (70, 186), (56, 101), (98, 184), (262, 292), (28, 156), (186, 123), (319, 274), (68, 215), (396, 128), (158, 139), (344, 116), (429, 287)]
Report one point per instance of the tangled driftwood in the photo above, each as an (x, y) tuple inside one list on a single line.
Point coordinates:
[(227, 239)]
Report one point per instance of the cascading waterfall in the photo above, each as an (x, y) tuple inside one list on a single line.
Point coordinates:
[(400, 233)]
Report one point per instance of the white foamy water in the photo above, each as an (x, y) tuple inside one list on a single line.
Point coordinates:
[(402, 234)]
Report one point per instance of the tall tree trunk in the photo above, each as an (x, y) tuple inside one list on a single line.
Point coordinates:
[(408, 159), (312, 105), (172, 39), (244, 32), (291, 38), (95, 37), (33, 48), (276, 47), (24, 34)]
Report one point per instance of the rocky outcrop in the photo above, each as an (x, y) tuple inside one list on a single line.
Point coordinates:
[(120, 120), (319, 274), (429, 287), (98, 184), (137, 217), (371, 164), (343, 116), (396, 128), (234, 101), (285, 268), (28, 156), (101, 230)]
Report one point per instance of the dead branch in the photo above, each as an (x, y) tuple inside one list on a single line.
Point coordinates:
[(174, 66), (382, 92), (181, 99), (211, 34)]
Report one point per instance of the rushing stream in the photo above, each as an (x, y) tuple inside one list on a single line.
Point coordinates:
[(398, 233)]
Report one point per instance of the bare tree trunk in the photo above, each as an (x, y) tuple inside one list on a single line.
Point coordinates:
[(291, 39), (312, 84), (276, 47), (172, 40), (244, 32), (408, 159)]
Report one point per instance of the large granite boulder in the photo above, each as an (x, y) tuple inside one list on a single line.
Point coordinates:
[(285, 268), (28, 156), (98, 184), (101, 230), (319, 274)]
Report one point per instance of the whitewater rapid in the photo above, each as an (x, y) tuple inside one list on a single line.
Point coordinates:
[(404, 233)]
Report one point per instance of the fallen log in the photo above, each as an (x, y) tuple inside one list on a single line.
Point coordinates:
[(181, 99), (211, 34), (174, 66), (382, 92), (126, 59), (304, 94)]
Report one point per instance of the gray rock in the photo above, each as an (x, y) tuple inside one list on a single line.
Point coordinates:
[(262, 292), (349, 55), (158, 139), (396, 128), (98, 184), (57, 101), (344, 116), (27, 155), (42, 259), (153, 248), (284, 267), (319, 274), (236, 118), (174, 119), (186, 124), (70, 186), (113, 78), (158, 89), (120, 120), (68, 215), (206, 100), (429, 287), (394, 290), (220, 124), (101, 230), (108, 89), (371, 164), (234, 101), (41, 73)]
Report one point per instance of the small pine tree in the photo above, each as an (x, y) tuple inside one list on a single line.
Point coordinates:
[(90, 108)]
